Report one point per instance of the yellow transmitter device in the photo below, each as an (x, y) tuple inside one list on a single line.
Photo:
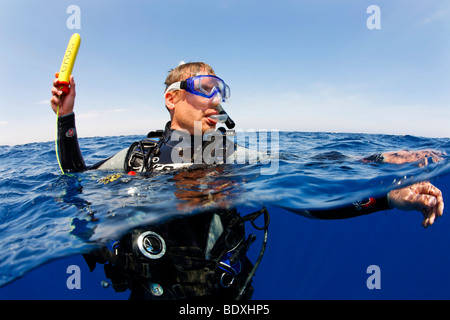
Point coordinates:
[(68, 62)]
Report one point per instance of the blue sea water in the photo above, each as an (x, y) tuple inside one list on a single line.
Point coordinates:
[(47, 220)]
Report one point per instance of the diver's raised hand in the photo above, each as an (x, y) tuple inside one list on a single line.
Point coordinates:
[(422, 196), (65, 102)]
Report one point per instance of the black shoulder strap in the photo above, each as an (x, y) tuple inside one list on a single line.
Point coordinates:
[(140, 154), (155, 134)]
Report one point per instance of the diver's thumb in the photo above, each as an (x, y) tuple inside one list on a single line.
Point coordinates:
[(424, 201)]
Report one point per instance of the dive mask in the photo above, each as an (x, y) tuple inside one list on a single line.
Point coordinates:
[(205, 86)]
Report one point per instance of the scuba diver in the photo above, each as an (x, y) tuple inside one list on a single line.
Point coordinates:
[(203, 255)]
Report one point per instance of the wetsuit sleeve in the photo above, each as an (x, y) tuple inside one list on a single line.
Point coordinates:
[(376, 158), (357, 208), (68, 148)]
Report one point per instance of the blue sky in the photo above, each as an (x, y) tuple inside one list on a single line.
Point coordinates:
[(305, 65)]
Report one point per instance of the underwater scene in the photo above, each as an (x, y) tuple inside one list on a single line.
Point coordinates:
[(51, 222)]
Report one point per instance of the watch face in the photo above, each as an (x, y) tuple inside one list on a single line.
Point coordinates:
[(151, 245)]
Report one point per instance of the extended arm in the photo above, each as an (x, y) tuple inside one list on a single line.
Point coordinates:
[(69, 152), (422, 196), (355, 209), (405, 156)]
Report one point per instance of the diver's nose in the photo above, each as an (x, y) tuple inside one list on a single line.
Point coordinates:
[(216, 100)]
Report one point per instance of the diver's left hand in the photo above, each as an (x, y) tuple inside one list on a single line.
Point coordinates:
[(422, 196), (405, 156)]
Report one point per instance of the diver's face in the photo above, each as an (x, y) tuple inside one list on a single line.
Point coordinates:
[(188, 108)]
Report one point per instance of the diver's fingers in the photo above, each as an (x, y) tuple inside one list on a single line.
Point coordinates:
[(55, 100), (429, 217), (425, 222), (432, 216), (56, 91), (423, 201), (436, 156), (440, 208), (56, 80), (72, 86), (428, 188), (423, 162), (54, 103), (423, 197), (432, 212)]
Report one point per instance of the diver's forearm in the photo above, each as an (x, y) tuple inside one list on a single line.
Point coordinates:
[(355, 209), (69, 151)]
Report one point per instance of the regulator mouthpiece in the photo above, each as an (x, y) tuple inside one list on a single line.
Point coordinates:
[(219, 117)]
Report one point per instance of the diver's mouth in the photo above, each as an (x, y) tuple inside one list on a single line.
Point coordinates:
[(210, 121), (210, 117)]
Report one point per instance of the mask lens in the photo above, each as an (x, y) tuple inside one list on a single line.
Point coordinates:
[(226, 92), (208, 86)]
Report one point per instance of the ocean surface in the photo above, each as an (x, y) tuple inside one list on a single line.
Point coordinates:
[(47, 220)]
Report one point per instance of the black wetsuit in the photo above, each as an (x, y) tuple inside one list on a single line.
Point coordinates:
[(72, 161), (200, 256)]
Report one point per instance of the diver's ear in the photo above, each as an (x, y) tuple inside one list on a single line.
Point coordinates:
[(170, 98)]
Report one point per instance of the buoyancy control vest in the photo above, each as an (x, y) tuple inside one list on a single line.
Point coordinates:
[(203, 255), (200, 256), (168, 148)]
